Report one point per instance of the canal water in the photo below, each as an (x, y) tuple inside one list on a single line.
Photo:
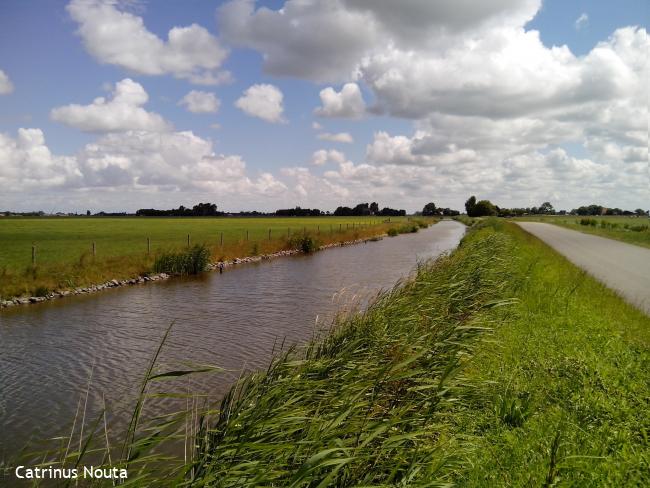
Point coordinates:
[(232, 320)]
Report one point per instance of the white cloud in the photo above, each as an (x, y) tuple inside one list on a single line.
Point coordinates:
[(343, 137), (262, 101), (122, 112), (582, 21), (348, 103), (319, 41), (6, 86), (26, 163), (132, 162), (200, 102), (324, 41), (316, 126), (324, 156), (118, 37)]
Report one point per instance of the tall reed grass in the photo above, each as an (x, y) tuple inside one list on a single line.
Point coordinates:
[(192, 261)]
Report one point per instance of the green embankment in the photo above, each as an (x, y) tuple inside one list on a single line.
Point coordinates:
[(64, 257), (499, 365), (502, 365), (633, 230)]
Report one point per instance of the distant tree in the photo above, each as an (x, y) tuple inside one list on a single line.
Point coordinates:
[(343, 211), (484, 208), (374, 208), (481, 208), (546, 208), (204, 209), (588, 210), (469, 205), (430, 209), (88, 213), (640, 212), (361, 209)]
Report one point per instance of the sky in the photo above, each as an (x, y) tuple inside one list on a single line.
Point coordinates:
[(116, 105)]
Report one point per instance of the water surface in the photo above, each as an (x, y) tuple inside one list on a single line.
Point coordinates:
[(232, 320)]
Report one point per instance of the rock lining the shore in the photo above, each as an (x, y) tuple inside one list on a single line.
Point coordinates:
[(219, 265)]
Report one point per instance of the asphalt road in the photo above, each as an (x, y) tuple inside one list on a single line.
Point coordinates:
[(622, 267)]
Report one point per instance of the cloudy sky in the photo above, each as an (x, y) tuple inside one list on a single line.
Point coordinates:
[(119, 104)]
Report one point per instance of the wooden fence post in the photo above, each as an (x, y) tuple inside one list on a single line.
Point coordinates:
[(94, 251), (33, 254), (148, 246), (269, 234), (246, 235), (222, 239), (188, 240)]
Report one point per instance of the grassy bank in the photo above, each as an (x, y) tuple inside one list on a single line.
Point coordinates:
[(500, 365), (64, 246), (633, 230)]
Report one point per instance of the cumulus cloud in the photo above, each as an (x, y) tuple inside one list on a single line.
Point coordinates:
[(132, 161), (200, 102), (118, 37), (324, 156), (263, 101), (342, 137), (319, 41), (324, 41), (582, 21), (123, 112), (6, 86), (26, 163), (348, 103)]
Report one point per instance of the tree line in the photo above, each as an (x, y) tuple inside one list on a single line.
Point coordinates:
[(484, 208)]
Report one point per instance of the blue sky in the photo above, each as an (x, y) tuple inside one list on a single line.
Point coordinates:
[(410, 144)]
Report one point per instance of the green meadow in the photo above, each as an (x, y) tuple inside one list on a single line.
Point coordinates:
[(633, 230), (64, 246)]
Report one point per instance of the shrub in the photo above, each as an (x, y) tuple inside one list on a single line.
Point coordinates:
[(409, 228), (392, 232), (41, 291), (190, 262), (306, 243), (638, 228), (591, 222)]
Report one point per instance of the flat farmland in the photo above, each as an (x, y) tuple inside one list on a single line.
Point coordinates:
[(64, 245)]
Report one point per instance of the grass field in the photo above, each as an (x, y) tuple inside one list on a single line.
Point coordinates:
[(64, 257), (500, 365), (633, 230)]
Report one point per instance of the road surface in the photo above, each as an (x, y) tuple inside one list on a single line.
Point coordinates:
[(623, 267)]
